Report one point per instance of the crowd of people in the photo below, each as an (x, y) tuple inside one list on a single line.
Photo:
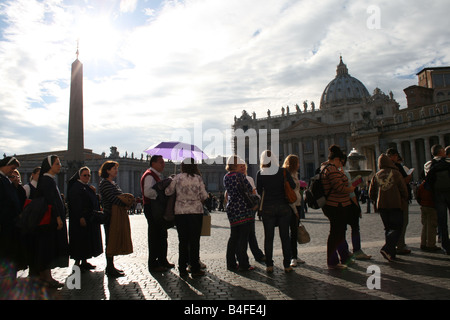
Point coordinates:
[(180, 200)]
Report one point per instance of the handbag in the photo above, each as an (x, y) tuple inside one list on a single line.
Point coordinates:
[(302, 235), (206, 226), (260, 208), (35, 213), (291, 197), (98, 217), (252, 200)]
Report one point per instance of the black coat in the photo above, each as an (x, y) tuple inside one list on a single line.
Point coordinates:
[(84, 242), (9, 212), (50, 247), (162, 208)]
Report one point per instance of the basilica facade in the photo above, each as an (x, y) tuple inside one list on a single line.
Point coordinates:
[(351, 117)]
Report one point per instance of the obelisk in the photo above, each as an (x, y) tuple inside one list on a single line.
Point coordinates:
[(75, 147)]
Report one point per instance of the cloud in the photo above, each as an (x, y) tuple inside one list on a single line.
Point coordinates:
[(128, 5), (174, 63)]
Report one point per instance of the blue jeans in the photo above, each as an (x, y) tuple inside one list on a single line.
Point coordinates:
[(393, 223), (442, 204), (277, 215)]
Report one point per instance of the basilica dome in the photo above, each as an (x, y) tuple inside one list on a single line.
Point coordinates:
[(344, 89)]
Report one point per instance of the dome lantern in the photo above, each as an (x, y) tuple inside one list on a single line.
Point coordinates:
[(344, 89)]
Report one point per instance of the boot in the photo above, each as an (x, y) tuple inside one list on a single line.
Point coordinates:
[(111, 271)]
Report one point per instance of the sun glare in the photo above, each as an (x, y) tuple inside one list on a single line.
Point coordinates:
[(98, 39)]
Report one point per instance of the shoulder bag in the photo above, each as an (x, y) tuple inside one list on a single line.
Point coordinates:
[(250, 199), (291, 197), (302, 234)]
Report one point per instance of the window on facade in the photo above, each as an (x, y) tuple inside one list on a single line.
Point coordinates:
[(379, 111), (308, 146), (341, 142), (438, 80), (447, 79)]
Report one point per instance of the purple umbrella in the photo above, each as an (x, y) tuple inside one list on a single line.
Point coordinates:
[(176, 151)]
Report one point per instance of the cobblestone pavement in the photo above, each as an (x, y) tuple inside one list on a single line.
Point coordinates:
[(420, 275)]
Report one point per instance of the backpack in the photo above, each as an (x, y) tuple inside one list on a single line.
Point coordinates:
[(438, 178), (315, 193)]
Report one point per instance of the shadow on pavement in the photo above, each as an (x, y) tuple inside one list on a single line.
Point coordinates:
[(203, 288)]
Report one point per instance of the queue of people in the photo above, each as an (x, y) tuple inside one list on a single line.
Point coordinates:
[(51, 243)]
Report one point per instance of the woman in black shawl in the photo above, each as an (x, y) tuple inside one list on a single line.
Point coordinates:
[(10, 208), (85, 239), (50, 246)]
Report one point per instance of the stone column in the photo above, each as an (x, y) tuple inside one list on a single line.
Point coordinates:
[(302, 159), (316, 152), (414, 158), (427, 147)]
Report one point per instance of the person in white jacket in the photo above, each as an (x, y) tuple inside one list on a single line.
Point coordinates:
[(190, 194)]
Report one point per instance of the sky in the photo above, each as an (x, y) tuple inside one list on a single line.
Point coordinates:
[(162, 70)]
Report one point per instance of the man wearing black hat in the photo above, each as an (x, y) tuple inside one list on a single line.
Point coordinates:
[(393, 154)]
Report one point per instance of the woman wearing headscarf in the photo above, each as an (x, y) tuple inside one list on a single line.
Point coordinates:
[(85, 239), (190, 194), (30, 187), (337, 207), (275, 208), (10, 209), (50, 248)]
